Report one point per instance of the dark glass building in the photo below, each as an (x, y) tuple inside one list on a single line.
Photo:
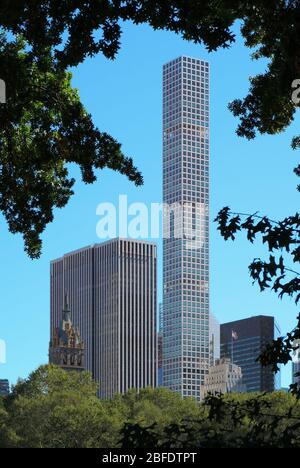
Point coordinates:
[(4, 387), (243, 341)]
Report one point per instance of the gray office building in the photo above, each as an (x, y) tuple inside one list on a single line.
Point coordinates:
[(112, 289), (243, 341), (186, 337)]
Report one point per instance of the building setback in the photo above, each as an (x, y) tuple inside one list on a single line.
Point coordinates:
[(243, 341), (112, 289), (186, 225)]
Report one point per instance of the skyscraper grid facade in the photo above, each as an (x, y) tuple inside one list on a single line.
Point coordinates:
[(186, 225)]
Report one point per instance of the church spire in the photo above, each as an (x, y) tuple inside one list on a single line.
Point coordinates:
[(66, 347)]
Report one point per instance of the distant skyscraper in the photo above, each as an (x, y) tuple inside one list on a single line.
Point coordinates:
[(66, 347), (296, 364), (243, 341), (113, 299), (186, 225), (224, 377), (4, 387), (214, 330)]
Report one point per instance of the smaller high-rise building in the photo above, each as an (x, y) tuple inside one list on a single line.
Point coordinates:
[(243, 341), (66, 347), (224, 377), (296, 364), (4, 387)]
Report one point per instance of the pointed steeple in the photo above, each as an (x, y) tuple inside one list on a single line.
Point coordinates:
[(66, 347), (66, 309)]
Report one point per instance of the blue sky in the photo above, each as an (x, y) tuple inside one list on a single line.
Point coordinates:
[(125, 99)]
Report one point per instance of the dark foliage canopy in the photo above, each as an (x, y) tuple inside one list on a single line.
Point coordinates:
[(43, 126), (57, 409)]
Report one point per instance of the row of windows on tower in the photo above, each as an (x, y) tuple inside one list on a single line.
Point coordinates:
[(187, 96)]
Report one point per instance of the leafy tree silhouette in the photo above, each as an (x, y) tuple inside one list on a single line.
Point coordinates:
[(226, 421), (44, 127), (282, 237)]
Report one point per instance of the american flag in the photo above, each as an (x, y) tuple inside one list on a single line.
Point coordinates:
[(234, 335)]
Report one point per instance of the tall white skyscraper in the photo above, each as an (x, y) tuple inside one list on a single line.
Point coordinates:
[(186, 225), (112, 289)]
